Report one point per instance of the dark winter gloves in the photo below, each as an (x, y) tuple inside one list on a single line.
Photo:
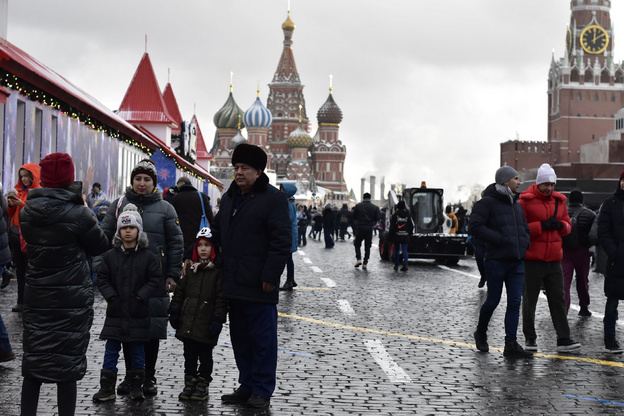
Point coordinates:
[(552, 224), (174, 318)]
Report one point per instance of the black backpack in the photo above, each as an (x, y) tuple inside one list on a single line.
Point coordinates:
[(574, 240)]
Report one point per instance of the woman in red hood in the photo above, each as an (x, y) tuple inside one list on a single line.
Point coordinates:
[(28, 179)]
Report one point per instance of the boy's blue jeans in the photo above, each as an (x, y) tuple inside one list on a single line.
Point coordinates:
[(398, 249), (111, 355)]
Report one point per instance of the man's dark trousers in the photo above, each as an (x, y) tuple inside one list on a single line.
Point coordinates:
[(366, 235), (253, 331)]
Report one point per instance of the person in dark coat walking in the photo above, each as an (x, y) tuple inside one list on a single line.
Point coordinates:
[(498, 221), (576, 255), (61, 234), (317, 224), (6, 352), (365, 216), (611, 239), (401, 227), (160, 223), (289, 189), (198, 311), (344, 218), (253, 228), (188, 205), (328, 226), (128, 276)]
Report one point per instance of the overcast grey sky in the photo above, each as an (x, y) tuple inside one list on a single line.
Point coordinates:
[(428, 89)]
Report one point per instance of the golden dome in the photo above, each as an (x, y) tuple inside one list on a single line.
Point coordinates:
[(288, 24)]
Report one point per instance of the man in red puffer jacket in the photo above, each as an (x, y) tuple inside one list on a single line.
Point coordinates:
[(548, 219)]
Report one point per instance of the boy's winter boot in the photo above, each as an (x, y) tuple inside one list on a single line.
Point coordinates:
[(149, 388), (189, 388), (108, 378), (124, 387), (136, 384), (201, 389)]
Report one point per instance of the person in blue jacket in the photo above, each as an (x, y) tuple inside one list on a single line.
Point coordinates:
[(289, 189), (254, 229)]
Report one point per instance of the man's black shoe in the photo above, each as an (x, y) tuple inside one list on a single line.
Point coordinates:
[(287, 286), (237, 397), (258, 402), (530, 344), (481, 341), (514, 350), (584, 311), (612, 346)]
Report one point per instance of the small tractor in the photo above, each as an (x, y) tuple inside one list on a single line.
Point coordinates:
[(425, 206)]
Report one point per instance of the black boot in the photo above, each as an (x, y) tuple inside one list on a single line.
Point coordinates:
[(201, 389), (7, 275), (287, 286), (149, 387), (137, 377), (124, 387), (189, 388), (108, 378)]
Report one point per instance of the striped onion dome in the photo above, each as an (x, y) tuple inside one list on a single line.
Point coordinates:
[(299, 138), (257, 115), (237, 139), (329, 113), (227, 116)]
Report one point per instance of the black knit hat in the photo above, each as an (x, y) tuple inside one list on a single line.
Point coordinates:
[(250, 155), (576, 197), (146, 167)]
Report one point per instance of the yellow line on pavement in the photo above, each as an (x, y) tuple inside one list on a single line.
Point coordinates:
[(311, 288), (444, 341)]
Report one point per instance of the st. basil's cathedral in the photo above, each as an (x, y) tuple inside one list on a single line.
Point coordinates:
[(314, 164)]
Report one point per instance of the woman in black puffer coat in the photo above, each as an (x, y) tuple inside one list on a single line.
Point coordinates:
[(61, 233)]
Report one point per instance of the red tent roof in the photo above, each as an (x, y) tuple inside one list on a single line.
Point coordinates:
[(201, 150), (27, 68), (143, 102), (172, 105)]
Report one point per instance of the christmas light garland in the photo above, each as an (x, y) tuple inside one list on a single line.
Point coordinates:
[(34, 94)]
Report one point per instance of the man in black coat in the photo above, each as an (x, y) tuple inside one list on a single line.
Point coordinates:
[(253, 228), (365, 216), (611, 239), (188, 205), (499, 221)]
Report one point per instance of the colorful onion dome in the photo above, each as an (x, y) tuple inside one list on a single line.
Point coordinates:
[(237, 139), (299, 138), (329, 113), (257, 115), (288, 24), (227, 116)]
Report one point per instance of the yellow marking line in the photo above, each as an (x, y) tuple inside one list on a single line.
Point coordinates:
[(444, 341), (310, 288)]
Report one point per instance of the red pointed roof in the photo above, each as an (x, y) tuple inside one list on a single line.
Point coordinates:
[(172, 104), (143, 102), (200, 150)]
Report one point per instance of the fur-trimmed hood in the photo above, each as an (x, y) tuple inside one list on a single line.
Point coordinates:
[(143, 242)]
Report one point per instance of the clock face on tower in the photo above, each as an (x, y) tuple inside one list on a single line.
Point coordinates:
[(594, 39)]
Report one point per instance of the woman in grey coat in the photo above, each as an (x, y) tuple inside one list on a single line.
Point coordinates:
[(160, 223)]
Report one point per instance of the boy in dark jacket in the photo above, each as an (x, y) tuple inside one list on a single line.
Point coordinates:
[(127, 277), (198, 310)]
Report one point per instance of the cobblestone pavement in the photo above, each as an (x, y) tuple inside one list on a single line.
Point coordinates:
[(376, 341)]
